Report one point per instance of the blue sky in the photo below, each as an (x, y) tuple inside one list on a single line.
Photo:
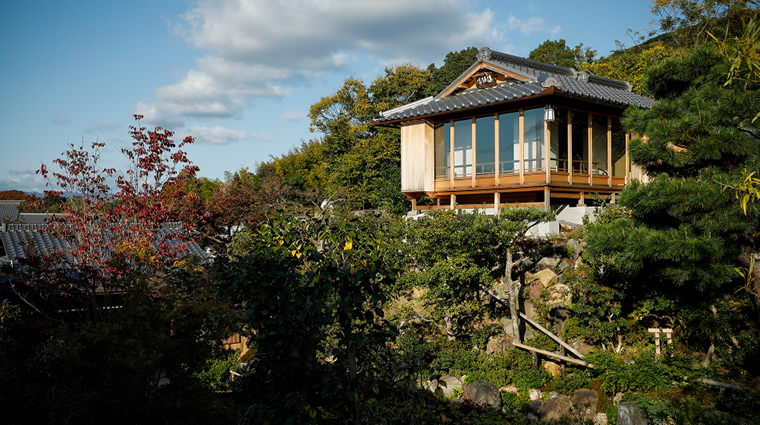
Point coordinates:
[(239, 75)]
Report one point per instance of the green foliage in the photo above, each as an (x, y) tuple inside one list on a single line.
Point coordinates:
[(596, 309), (454, 65), (527, 379), (574, 379), (642, 372), (556, 52), (216, 371)]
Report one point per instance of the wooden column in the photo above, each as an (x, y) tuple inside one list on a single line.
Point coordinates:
[(547, 152), (627, 159), (547, 198), (590, 149), (453, 202), (496, 203), (451, 154), (582, 201), (570, 146), (496, 148), (414, 204), (474, 152), (522, 146)]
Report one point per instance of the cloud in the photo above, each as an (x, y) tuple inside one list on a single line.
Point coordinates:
[(293, 115), (24, 180), (222, 136), (262, 48), (62, 121), (531, 25)]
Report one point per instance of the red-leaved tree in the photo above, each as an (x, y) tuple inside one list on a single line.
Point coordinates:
[(106, 233)]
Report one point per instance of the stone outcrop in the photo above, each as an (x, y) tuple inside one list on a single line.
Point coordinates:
[(553, 410), (484, 393)]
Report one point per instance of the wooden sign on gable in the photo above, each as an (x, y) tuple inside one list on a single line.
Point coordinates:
[(485, 79)]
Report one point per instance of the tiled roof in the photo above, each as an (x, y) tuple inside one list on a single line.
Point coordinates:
[(16, 237), (539, 77), (8, 210)]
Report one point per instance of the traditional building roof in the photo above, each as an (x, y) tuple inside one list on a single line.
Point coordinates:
[(29, 228), (520, 78)]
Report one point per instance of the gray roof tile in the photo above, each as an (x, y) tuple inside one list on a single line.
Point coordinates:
[(570, 81)]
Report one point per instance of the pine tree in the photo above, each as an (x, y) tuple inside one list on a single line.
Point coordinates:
[(687, 236)]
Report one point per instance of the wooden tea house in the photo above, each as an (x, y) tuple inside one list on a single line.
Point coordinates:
[(513, 131)]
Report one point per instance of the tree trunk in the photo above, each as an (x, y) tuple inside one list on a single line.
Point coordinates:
[(352, 373), (513, 292)]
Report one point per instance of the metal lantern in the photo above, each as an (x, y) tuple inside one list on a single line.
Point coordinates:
[(549, 114)]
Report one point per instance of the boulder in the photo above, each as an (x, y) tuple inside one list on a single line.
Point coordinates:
[(553, 410), (630, 414), (525, 264), (617, 399), (566, 263), (535, 394), (535, 406), (559, 293), (546, 277), (547, 263), (446, 384), (587, 401), (576, 247), (484, 393), (552, 368), (600, 419), (498, 345)]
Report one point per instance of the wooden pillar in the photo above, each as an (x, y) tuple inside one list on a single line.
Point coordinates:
[(582, 201), (474, 152), (414, 204), (590, 125), (451, 154), (570, 146), (496, 148), (627, 159), (453, 202), (496, 203), (547, 152), (547, 198), (521, 127)]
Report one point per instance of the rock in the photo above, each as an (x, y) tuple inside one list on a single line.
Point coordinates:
[(552, 395), (552, 368), (546, 277), (582, 347), (600, 419), (484, 393), (534, 290), (547, 263), (498, 345), (446, 384), (510, 389), (535, 406), (557, 317), (630, 414), (553, 410), (525, 265), (565, 264), (559, 293), (535, 394), (587, 402), (576, 247), (617, 399)]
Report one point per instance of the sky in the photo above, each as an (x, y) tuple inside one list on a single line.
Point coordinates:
[(238, 75)]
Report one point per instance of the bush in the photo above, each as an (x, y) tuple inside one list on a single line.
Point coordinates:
[(643, 372)]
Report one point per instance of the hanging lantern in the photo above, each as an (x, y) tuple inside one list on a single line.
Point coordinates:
[(549, 114)]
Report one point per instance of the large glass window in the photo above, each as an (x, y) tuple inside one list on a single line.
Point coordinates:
[(558, 147), (485, 140), (442, 150), (599, 144), (533, 143), (509, 143), (580, 143), (618, 149), (463, 148)]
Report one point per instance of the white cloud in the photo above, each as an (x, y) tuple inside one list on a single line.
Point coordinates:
[(531, 25), (221, 136), (260, 48), (293, 115), (24, 180)]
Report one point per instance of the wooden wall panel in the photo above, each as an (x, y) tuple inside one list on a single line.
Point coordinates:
[(417, 157)]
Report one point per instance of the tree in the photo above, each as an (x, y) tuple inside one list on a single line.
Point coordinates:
[(687, 232), (456, 256), (311, 289), (556, 52), (454, 65), (97, 220), (629, 65)]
